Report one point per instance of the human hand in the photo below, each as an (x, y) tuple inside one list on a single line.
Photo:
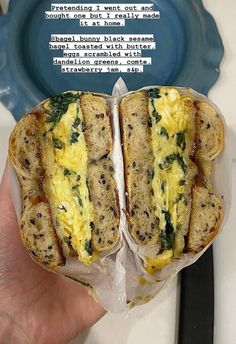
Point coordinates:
[(36, 306)]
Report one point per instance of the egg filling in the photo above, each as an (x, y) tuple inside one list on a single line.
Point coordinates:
[(66, 161), (172, 125)]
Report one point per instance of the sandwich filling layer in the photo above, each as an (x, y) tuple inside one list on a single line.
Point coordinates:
[(172, 124), (158, 128), (69, 184)]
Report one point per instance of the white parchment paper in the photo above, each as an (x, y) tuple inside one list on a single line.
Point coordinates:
[(118, 280)]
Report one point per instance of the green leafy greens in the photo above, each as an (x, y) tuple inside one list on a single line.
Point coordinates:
[(167, 236), (164, 132), (168, 161), (154, 93), (74, 137), (67, 172), (59, 104), (180, 140), (88, 246), (57, 144)]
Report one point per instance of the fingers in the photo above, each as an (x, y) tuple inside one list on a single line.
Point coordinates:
[(8, 220), (82, 305), (93, 311), (6, 205), (12, 252)]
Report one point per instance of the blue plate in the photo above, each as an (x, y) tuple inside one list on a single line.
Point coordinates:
[(189, 51)]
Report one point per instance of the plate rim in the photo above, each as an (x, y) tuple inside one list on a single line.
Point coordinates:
[(21, 81)]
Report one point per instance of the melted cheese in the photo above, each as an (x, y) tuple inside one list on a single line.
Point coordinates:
[(173, 134), (67, 186)]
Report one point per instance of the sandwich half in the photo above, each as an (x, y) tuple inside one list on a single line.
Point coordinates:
[(170, 140), (61, 152)]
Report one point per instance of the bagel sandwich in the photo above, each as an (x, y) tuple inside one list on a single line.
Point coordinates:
[(61, 152), (170, 140)]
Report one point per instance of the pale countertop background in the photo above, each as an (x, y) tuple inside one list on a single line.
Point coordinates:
[(157, 322)]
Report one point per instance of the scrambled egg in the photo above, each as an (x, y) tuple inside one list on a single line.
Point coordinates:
[(67, 184), (173, 134), (160, 261)]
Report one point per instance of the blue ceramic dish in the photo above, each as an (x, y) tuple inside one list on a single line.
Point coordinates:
[(188, 54)]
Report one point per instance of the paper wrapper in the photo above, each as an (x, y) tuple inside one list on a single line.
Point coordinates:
[(119, 280)]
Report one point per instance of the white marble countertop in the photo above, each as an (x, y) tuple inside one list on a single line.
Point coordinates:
[(157, 320)]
